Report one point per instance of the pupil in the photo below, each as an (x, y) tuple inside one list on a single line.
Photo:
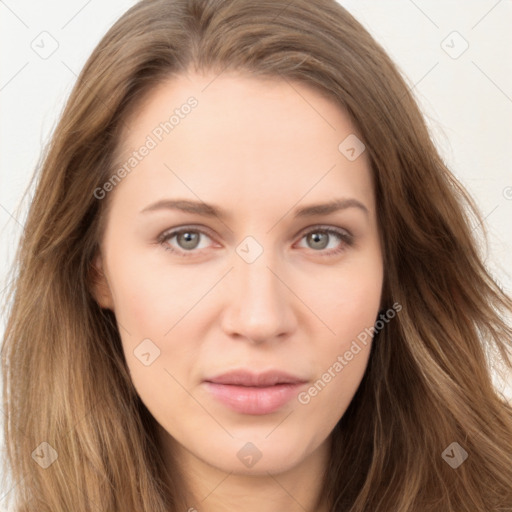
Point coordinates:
[(190, 240), (316, 237)]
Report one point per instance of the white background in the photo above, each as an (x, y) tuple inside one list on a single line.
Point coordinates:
[(467, 100)]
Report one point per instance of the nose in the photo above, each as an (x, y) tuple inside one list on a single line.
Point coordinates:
[(260, 305)]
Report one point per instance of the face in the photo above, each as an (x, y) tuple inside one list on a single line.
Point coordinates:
[(239, 305)]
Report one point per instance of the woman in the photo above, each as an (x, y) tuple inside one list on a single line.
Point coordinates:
[(247, 281)]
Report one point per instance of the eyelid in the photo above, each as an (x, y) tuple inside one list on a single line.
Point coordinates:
[(324, 227), (344, 235), (171, 233)]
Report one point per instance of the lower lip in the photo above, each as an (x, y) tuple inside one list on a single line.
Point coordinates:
[(253, 400)]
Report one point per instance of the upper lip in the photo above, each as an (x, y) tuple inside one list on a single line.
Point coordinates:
[(263, 379)]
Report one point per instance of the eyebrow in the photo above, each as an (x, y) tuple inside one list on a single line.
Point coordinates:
[(210, 210)]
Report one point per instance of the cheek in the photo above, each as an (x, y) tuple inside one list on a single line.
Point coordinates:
[(151, 297), (155, 307), (349, 302), (349, 306), (159, 347), (326, 400)]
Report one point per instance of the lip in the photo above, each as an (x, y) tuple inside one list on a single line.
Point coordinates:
[(254, 393)]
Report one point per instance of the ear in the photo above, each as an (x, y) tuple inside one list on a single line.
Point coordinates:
[(100, 288)]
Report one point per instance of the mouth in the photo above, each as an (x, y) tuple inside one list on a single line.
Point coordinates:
[(257, 394)]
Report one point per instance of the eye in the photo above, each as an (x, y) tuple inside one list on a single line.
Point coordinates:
[(188, 240), (321, 237)]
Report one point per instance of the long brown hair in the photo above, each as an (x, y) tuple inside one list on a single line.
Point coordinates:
[(428, 381)]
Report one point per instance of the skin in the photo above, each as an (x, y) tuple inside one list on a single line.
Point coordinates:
[(259, 148)]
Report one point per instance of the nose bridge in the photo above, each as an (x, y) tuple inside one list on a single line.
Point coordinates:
[(259, 305)]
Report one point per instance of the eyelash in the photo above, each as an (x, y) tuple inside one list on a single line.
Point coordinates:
[(346, 238)]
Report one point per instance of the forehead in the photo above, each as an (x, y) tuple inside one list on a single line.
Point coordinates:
[(237, 138)]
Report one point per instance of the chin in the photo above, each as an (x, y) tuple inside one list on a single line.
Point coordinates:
[(256, 455)]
